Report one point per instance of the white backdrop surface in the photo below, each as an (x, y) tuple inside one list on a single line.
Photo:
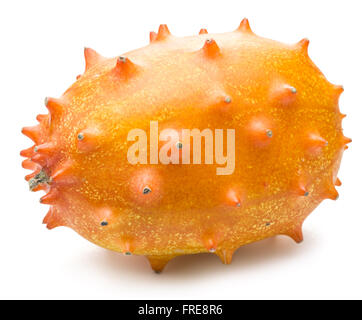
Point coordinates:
[(42, 52)]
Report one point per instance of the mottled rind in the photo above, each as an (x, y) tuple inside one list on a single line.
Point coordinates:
[(289, 145)]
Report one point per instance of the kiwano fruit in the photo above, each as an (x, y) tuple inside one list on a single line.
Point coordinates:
[(287, 145)]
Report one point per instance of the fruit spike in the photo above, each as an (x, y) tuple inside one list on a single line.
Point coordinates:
[(259, 131), (63, 173), (225, 255), (42, 117), (40, 159), (30, 165), (31, 176), (124, 68), (28, 153), (203, 31), (211, 49), (158, 262), (331, 192), (88, 139), (300, 186), (91, 58), (54, 106), (210, 244), (245, 26), (233, 198), (296, 234), (163, 32), (303, 46), (346, 140), (32, 132), (127, 247), (153, 36), (314, 143), (51, 197), (288, 143), (53, 219), (47, 148), (283, 94)]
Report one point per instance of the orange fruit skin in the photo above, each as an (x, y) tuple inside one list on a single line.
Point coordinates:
[(288, 134)]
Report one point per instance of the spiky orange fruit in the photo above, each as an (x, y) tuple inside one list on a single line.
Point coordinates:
[(288, 136)]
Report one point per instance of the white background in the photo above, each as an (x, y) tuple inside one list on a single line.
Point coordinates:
[(42, 52)]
